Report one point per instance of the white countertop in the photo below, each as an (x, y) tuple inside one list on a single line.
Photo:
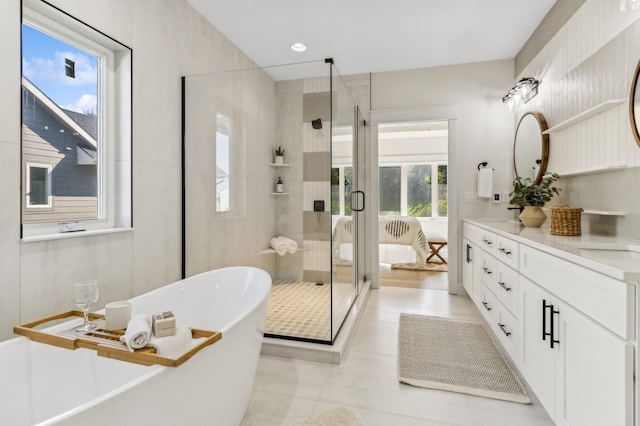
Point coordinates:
[(625, 268)]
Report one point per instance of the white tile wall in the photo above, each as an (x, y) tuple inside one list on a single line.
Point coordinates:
[(316, 140), (9, 244), (316, 191), (10, 73), (49, 269), (318, 257), (315, 85)]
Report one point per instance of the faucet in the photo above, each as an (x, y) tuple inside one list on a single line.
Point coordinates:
[(519, 210)]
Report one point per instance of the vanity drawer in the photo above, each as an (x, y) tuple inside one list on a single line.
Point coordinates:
[(481, 237), (507, 287), (607, 301), (488, 270), (507, 251), (507, 329), (487, 304)]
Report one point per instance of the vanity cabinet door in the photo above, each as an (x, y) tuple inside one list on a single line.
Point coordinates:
[(471, 270), (507, 330), (488, 305), (488, 267), (595, 373), (507, 287), (538, 362)]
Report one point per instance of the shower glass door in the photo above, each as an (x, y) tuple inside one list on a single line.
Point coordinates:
[(345, 201)]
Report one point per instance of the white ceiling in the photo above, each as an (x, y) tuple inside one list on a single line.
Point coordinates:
[(365, 36)]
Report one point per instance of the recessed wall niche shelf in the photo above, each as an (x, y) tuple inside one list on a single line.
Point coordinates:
[(279, 165), (602, 169), (279, 193), (585, 115)]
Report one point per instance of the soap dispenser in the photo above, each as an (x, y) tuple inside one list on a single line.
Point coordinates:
[(279, 186)]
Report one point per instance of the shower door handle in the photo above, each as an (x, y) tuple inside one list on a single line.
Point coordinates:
[(359, 195)]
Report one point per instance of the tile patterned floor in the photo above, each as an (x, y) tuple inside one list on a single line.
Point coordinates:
[(366, 382), (303, 309)]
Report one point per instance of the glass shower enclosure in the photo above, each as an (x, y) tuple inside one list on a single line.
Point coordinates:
[(307, 231)]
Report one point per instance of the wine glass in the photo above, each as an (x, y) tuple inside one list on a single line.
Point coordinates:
[(86, 294)]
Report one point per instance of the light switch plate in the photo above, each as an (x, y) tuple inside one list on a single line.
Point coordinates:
[(496, 198), (470, 197), (505, 196)]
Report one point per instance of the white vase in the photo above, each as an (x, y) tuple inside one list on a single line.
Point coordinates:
[(532, 217), (279, 159)]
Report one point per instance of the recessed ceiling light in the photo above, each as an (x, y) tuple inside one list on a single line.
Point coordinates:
[(298, 47)]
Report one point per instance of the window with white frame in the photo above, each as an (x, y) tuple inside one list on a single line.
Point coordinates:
[(231, 160), (418, 190), (38, 186), (341, 188), (76, 124)]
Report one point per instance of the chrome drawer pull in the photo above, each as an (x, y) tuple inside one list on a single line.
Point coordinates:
[(504, 286), (486, 306), (503, 330)]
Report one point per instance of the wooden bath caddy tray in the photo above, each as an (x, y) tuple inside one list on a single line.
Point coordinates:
[(107, 343)]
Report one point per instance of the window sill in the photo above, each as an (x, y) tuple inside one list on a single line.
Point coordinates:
[(62, 236)]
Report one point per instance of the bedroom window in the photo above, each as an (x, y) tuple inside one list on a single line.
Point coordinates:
[(76, 124), (341, 187), (413, 190)]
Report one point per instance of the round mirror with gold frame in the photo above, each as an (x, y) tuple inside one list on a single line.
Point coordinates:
[(531, 147), (634, 105)]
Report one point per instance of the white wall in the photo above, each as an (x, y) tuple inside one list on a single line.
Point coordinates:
[(169, 40), (484, 126), (590, 61)]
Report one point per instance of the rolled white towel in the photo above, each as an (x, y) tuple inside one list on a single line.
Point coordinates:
[(138, 332), (173, 346), (292, 246), (279, 246)]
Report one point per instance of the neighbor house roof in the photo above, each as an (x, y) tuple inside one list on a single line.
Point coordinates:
[(88, 134)]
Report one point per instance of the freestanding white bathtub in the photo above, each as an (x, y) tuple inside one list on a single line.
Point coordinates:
[(43, 384)]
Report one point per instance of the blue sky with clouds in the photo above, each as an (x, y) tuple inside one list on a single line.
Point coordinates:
[(43, 63)]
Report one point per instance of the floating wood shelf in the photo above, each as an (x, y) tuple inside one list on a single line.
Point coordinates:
[(584, 115), (107, 343), (594, 170)]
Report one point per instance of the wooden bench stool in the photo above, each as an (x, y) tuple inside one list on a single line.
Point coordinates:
[(436, 242)]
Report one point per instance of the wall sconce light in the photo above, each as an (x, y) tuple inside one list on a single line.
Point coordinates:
[(629, 4), (522, 92)]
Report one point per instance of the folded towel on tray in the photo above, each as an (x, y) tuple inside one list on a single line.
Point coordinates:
[(138, 332), (291, 245), (173, 346), (279, 246)]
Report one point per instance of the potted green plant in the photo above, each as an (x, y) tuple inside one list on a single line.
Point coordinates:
[(530, 198), (279, 155)]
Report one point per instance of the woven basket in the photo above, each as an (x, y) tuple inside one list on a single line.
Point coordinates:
[(565, 220)]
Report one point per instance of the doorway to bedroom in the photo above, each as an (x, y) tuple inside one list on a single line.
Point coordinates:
[(413, 204)]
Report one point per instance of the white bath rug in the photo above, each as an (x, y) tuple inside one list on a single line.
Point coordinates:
[(334, 417)]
